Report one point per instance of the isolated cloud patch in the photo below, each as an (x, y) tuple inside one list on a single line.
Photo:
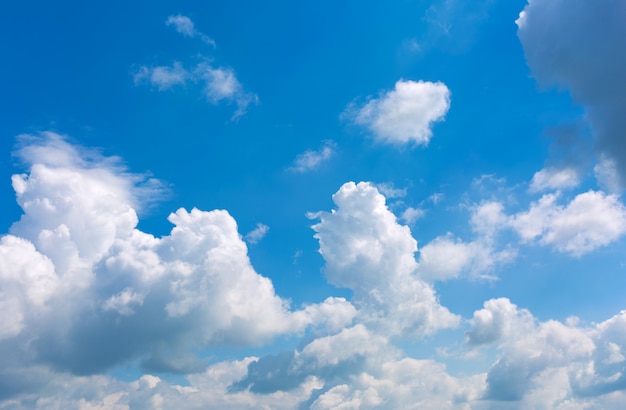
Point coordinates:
[(310, 160), (579, 45), (405, 114), (185, 26)]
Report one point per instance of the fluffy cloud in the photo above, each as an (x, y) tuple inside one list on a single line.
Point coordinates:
[(550, 364), (367, 251), (405, 114), (84, 290), (591, 220), (580, 46), (311, 160)]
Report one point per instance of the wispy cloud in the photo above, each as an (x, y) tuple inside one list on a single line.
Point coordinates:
[(185, 26), (258, 233), (311, 160), (218, 83)]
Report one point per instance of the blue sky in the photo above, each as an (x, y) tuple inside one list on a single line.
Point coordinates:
[(329, 205)]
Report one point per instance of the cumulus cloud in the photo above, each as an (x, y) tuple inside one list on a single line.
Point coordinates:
[(405, 114), (591, 220), (580, 47), (311, 160), (550, 364), (84, 290), (588, 221), (369, 252)]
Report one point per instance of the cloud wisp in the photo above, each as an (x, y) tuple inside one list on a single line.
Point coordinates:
[(219, 83)]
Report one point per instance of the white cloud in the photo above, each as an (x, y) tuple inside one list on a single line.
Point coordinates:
[(366, 250), (77, 276), (550, 364), (219, 84), (445, 258), (554, 178), (591, 220), (222, 84), (185, 26), (258, 233), (499, 320), (311, 160), (405, 114), (581, 48), (182, 24), (162, 77)]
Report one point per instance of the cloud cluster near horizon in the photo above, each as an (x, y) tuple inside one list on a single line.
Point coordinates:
[(78, 276)]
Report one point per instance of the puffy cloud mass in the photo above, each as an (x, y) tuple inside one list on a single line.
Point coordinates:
[(405, 114), (84, 290), (579, 45), (369, 252), (592, 219)]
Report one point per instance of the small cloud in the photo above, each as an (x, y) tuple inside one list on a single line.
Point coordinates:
[(220, 83), (185, 26), (390, 191), (410, 215), (607, 175), (436, 198), (162, 77), (554, 179), (258, 233), (311, 160), (405, 114)]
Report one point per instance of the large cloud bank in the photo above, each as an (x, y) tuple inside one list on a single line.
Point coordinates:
[(84, 291), (579, 45)]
